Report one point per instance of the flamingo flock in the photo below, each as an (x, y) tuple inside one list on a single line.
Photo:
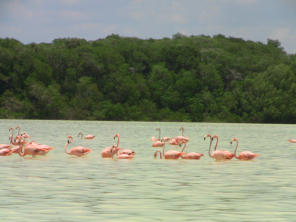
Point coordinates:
[(182, 141), (19, 144)]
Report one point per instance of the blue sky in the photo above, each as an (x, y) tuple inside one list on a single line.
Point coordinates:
[(45, 20)]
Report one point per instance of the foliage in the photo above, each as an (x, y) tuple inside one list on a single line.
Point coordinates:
[(196, 78)]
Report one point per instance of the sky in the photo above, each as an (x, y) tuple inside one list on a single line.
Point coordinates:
[(45, 20)]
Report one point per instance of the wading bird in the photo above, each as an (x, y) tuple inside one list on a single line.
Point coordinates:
[(219, 154), (77, 150), (245, 155)]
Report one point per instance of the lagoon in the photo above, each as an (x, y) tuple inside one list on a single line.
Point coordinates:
[(59, 187)]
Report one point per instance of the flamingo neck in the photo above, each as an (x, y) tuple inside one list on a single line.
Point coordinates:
[(182, 130), (235, 150), (216, 143), (18, 131), (22, 149), (66, 146), (114, 152), (210, 155), (117, 141), (11, 136), (11, 139)]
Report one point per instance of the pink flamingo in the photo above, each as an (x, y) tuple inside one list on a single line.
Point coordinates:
[(170, 155), (245, 155), (130, 153), (17, 137), (14, 145), (173, 154), (35, 147), (87, 137), (24, 150), (78, 150), (5, 149), (125, 153), (191, 155), (109, 152), (179, 140), (8, 146), (292, 140), (159, 141), (125, 156), (219, 154), (153, 138)]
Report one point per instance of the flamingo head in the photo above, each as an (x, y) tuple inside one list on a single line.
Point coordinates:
[(207, 135), (25, 135), (18, 128), (116, 135), (213, 137), (70, 139), (234, 140)]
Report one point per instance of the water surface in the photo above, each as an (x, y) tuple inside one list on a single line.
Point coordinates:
[(59, 187)]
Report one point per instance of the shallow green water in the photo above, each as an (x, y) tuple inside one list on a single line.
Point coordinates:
[(59, 187)]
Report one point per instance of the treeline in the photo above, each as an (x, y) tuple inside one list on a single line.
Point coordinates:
[(196, 78)]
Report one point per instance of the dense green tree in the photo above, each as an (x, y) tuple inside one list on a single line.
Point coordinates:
[(183, 78)]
